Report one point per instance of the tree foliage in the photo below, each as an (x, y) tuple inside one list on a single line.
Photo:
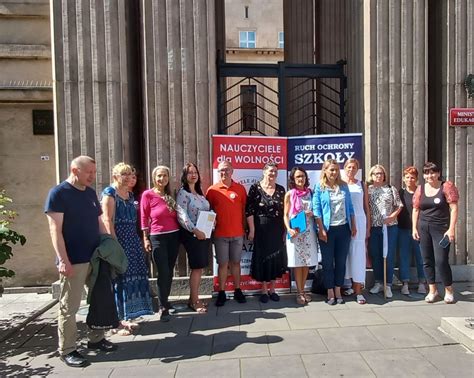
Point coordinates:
[(8, 237)]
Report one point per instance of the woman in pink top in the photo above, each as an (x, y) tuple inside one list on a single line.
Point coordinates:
[(161, 233)]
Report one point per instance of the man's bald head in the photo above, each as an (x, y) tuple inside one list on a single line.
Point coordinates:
[(83, 172), (81, 162)]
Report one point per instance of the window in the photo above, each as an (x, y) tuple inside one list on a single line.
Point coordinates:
[(247, 39), (246, 12), (248, 107), (281, 40)]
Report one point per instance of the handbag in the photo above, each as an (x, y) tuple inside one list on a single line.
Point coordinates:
[(317, 286)]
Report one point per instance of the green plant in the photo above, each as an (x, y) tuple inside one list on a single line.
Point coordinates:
[(8, 237)]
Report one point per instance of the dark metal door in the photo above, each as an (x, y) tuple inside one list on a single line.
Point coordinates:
[(281, 99)]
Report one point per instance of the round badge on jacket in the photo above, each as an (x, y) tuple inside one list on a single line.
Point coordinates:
[(436, 200), (232, 195)]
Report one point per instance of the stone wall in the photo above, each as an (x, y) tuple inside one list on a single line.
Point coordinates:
[(25, 85)]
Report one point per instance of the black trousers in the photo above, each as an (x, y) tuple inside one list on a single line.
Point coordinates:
[(165, 252), (435, 257)]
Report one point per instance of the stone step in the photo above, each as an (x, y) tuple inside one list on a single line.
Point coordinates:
[(180, 286), (458, 328)]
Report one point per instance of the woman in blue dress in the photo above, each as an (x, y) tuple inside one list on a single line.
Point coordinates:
[(120, 218)]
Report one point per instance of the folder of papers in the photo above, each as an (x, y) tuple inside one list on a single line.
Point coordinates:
[(205, 222)]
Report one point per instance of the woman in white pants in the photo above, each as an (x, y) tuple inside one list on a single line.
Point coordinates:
[(356, 259)]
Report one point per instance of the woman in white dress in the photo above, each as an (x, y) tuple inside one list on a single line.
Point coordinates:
[(356, 259), (301, 247)]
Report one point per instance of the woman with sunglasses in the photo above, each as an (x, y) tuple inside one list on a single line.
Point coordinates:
[(385, 205)]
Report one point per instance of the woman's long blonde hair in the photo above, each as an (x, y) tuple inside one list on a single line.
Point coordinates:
[(323, 180), (168, 198)]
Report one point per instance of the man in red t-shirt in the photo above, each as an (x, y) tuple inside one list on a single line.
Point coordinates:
[(227, 199)]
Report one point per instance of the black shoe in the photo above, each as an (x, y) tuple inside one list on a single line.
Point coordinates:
[(274, 297), (74, 359), (239, 296), (164, 315), (221, 298), (264, 298), (103, 345), (171, 309)]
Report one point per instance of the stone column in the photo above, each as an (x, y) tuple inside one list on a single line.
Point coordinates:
[(458, 58), (395, 70), (95, 110), (179, 90)]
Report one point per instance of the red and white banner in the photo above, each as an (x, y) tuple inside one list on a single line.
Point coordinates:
[(248, 155)]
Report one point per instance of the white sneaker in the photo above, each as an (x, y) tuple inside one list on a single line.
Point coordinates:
[(378, 287), (421, 288), (405, 290), (388, 292)]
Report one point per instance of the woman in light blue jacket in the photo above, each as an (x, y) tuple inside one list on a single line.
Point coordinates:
[(332, 207)]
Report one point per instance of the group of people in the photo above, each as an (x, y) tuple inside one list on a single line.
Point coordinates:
[(338, 217)]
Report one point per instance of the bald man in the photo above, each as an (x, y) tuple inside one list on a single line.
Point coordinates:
[(75, 225), (228, 198)]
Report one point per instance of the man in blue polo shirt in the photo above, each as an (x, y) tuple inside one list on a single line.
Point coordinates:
[(75, 225)]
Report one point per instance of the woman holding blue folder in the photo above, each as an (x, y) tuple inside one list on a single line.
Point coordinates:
[(301, 244), (334, 212)]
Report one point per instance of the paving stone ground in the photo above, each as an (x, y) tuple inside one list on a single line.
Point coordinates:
[(399, 337)]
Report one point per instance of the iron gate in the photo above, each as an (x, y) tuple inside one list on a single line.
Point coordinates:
[(281, 99)]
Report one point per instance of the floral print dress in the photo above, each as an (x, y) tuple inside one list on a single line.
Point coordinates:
[(302, 250)]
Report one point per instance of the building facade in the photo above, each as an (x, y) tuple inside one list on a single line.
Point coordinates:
[(27, 153)]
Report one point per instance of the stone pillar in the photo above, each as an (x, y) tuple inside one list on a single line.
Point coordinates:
[(179, 89), (458, 58), (299, 23), (96, 112), (395, 71)]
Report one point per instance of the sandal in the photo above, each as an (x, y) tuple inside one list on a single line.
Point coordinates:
[(122, 332), (349, 291), (307, 297), (129, 325), (132, 325), (431, 297), (360, 299), (331, 301), (198, 307), (449, 298), (300, 299)]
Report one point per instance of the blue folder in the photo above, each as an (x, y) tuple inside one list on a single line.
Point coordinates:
[(298, 221)]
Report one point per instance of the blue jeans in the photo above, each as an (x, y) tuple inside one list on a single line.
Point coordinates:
[(407, 245), (334, 254), (376, 252)]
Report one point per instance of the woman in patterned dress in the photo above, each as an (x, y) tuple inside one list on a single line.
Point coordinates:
[(190, 200), (301, 247), (385, 205), (120, 219), (264, 211)]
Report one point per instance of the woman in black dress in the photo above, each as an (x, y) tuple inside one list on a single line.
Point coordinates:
[(264, 213)]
